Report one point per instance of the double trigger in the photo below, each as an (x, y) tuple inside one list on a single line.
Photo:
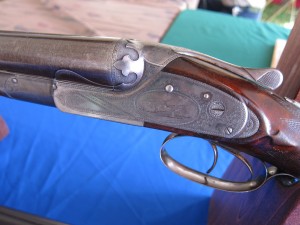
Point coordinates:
[(221, 184)]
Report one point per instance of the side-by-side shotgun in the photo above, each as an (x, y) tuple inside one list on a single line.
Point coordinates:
[(162, 87)]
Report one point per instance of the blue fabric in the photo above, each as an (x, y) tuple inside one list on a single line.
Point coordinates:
[(87, 171)]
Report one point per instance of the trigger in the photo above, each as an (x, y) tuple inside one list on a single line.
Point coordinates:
[(269, 78), (215, 150)]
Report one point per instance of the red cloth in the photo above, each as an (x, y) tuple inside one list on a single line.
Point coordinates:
[(3, 129)]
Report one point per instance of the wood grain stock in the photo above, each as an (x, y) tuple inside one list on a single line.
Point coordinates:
[(273, 204), (276, 141)]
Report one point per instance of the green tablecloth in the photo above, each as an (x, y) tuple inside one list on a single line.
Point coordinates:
[(237, 40)]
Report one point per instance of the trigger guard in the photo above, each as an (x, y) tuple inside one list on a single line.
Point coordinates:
[(206, 179)]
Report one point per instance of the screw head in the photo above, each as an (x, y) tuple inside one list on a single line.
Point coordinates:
[(216, 109), (206, 96), (169, 88), (228, 130), (14, 80)]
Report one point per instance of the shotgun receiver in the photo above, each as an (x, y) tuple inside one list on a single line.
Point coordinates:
[(161, 87)]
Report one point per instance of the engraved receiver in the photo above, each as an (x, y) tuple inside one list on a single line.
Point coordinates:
[(161, 87)]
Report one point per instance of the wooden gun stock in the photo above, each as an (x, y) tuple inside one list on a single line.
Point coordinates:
[(277, 138)]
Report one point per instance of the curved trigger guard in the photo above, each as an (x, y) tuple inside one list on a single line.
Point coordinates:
[(215, 182)]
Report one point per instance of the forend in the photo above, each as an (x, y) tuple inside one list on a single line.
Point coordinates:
[(155, 85)]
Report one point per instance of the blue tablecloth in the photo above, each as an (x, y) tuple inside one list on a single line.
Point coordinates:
[(87, 171)]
